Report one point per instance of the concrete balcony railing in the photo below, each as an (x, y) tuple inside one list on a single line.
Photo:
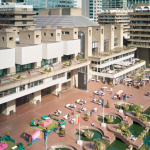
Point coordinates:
[(137, 45), (139, 24), (140, 30), (139, 40), (140, 35), (121, 71), (145, 19)]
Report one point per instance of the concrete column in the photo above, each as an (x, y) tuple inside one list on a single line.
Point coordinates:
[(103, 78), (89, 73), (74, 78), (11, 70), (34, 97), (9, 106), (37, 64), (114, 81)]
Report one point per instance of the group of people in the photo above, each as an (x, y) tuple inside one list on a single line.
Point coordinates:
[(148, 94), (122, 96)]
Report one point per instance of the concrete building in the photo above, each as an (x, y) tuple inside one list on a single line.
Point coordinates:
[(25, 78), (116, 16), (139, 31), (90, 8), (15, 15)]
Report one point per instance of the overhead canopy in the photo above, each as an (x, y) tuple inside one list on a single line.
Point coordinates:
[(123, 63), (136, 59), (128, 79), (146, 79)]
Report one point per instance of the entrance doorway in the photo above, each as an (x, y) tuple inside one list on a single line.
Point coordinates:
[(46, 91), (22, 100), (65, 86)]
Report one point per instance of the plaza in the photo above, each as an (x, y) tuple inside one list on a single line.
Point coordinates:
[(17, 123)]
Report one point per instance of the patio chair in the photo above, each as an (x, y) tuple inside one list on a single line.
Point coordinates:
[(94, 100), (59, 111), (73, 121), (65, 117), (94, 109)]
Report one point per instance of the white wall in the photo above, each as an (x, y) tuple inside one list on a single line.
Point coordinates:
[(52, 50), (71, 47), (28, 54), (7, 58)]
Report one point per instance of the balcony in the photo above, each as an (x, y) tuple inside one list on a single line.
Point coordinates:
[(139, 24), (119, 72), (138, 45), (140, 35), (139, 40), (140, 30), (113, 53)]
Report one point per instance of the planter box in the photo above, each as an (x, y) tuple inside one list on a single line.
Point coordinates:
[(86, 119), (62, 135)]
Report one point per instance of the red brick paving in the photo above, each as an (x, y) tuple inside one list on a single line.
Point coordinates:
[(17, 123)]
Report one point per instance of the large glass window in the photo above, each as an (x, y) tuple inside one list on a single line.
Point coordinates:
[(22, 88), (46, 62), (20, 68)]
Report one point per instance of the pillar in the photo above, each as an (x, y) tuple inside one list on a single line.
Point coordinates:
[(114, 81), (74, 78), (8, 107), (35, 97), (37, 64), (11, 70)]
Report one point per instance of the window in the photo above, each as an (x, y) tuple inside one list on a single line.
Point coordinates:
[(97, 29), (66, 32), (75, 32), (3, 39), (22, 88), (51, 34), (89, 32), (37, 36), (58, 34), (62, 32), (44, 34), (28, 36), (11, 39), (102, 31), (115, 27)]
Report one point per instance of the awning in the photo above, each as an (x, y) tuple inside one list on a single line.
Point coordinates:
[(117, 66), (128, 79), (146, 79)]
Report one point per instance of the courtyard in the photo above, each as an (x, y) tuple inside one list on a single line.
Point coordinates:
[(19, 122)]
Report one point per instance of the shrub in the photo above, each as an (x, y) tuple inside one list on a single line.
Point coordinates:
[(108, 105), (137, 114), (121, 125), (137, 107), (66, 63), (79, 56), (7, 133), (69, 63), (86, 116), (18, 76), (148, 65), (63, 132), (98, 144), (126, 132), (143, 118), (125, 106)]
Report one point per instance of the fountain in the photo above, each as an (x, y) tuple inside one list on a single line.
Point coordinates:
[(88, 134), (96, 135), (110, 119)]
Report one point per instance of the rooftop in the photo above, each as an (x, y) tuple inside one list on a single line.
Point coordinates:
[(65, 20)]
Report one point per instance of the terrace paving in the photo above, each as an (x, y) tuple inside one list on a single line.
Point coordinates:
[(17, 123)]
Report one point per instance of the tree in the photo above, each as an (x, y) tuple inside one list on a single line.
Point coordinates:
[(79, 57), (121, 125), (98, 144)]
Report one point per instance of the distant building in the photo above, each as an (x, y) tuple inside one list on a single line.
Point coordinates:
[(16, 15), (91, 8)]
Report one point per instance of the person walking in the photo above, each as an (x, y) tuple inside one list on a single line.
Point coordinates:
[(93, 95), (58, 94)]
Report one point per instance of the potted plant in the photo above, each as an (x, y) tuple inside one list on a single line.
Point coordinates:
[(63, 133), (39, 119), (86, 117), (107, 105)]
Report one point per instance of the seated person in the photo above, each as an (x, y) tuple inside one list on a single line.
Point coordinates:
[(93, 124), (148, 93), (68, 116), (82, 109), (71, 105), (73, 121)]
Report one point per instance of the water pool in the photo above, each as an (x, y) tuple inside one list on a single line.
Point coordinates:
[(96, 135), (117, 145), (136, 129), (116, 121)]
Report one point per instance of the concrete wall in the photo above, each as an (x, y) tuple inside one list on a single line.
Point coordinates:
[(88, 40), (7, 39), (7, 58), (26, 55), (44, 12), (109, 33), (98, 34), (49, 34), (118, 31), (9, 106), (30, 37)]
